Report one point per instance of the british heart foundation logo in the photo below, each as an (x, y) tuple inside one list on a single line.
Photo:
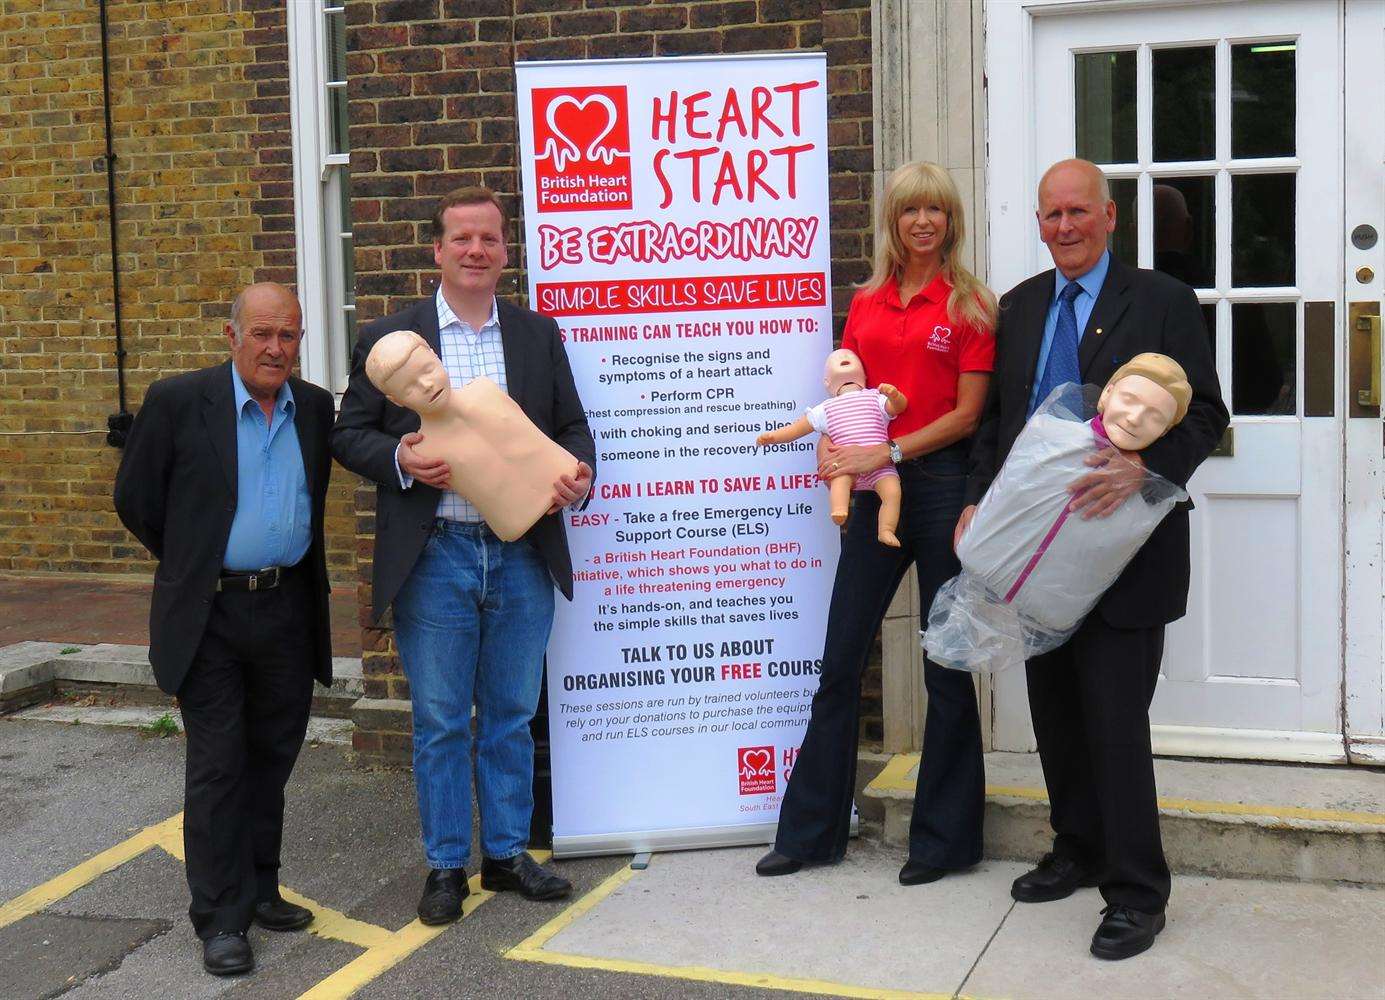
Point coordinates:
[(582, 143), (756, 767)]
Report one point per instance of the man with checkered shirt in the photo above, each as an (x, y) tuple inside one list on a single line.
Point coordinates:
[(472, 613)]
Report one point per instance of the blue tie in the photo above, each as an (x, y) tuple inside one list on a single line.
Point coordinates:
[(1061, 366)]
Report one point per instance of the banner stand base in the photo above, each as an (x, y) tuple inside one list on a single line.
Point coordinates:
[(655, 841)]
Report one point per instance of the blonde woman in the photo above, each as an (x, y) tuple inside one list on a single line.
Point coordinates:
[(923, 322)]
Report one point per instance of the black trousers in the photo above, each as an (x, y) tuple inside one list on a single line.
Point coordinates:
[(1090, 702), (815, 819), (245, 706)]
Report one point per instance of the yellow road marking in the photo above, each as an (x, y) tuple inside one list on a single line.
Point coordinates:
[(531, 949), (327, 922), (394, 947), (93, 868), (171, 840), (330, 923), (894, 777)]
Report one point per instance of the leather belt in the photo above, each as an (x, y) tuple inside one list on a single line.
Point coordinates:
[(261, 579)]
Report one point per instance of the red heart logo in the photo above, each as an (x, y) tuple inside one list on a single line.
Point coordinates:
[(762, 756), (580, 126)]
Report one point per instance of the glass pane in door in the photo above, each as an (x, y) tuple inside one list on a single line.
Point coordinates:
[(1184, 87), (1105, 91), (1262, 99)]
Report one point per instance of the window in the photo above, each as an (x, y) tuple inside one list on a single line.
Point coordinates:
[(322, 189), (1198, 143)]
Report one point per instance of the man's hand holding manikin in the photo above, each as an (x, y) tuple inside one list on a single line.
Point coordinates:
[(505, 465), (567, 490), (1144, 398)]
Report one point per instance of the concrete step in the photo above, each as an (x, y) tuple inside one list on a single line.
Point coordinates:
[(34, 672), (321, 729), (1226, 818)]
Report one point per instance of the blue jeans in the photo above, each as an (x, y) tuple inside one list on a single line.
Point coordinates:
[(472, 622)]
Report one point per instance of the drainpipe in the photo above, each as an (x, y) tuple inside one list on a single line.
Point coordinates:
[(118, 424)]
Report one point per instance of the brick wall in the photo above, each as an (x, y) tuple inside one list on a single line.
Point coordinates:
[(432, 107), (204, 188)]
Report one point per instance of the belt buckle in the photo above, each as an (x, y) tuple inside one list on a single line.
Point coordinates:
[(254, 582)]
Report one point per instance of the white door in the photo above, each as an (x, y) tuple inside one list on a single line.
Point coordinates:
[(1221, 128), (1363, 243)]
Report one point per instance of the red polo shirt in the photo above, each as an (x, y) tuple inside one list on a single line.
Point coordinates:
[(916, 348)]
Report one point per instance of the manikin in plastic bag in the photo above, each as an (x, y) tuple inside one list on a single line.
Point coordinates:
[(1032, 567)]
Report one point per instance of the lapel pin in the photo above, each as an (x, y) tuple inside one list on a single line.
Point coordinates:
[(1098, 331)]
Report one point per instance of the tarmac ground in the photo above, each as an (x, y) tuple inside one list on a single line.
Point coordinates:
[(93, 904)]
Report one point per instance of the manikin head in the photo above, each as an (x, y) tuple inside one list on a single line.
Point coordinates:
[(405, 369), (844, 373), (1146, 396)]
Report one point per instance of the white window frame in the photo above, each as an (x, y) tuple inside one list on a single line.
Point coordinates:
[(317, 174)]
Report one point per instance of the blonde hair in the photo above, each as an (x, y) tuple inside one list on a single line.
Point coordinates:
[(1163, 371), (923, 183)]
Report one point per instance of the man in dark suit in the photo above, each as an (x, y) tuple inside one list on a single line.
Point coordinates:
[(472, 614), (1090, 697), (224, 480)]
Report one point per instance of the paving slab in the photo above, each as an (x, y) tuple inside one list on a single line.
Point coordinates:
[(1225, 938), (46, 954), (851, 923)]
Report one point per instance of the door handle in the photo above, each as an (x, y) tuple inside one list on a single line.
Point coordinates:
[(1363, 392)]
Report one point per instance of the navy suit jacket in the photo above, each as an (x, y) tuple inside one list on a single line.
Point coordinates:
[(176, 492), (1136, 311)]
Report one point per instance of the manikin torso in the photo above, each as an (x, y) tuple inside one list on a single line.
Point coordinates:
[(498, 459)]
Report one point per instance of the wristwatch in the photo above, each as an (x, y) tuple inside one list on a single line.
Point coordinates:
[(896, 454)]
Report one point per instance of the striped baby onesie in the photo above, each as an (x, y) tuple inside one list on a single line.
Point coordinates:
[(855, 418)]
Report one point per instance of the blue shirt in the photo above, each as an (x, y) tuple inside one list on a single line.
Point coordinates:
[(272, 526), (1091, 283)]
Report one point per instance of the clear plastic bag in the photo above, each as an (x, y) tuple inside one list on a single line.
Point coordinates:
[(1032, 570)]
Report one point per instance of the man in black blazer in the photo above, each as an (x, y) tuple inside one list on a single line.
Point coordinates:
[(472, 614), (1090, 697), (224, 480)]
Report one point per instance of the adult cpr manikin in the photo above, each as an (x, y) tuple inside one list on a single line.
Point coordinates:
[(853, 414), (1032, 567), (499, 461)]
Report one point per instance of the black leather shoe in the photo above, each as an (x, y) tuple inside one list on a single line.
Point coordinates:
[(524, 875), (775, 863), (281, 915), (1125, 932), (1053, 878), (918, 873), (443, 892), (227, 954)]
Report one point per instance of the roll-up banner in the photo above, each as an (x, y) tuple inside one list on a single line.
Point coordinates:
[(676, 227)]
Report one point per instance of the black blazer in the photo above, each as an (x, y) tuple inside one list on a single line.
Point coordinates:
[(537, 377), (1137, 311), (176, 492)]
